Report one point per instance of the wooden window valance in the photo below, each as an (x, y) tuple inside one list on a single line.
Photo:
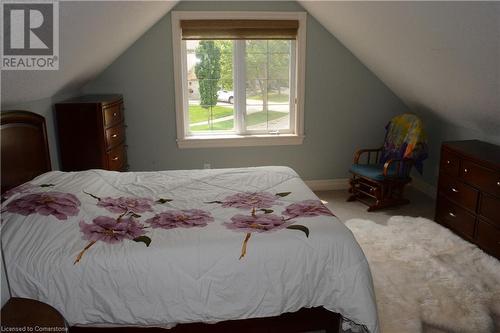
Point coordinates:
[(239, 29)]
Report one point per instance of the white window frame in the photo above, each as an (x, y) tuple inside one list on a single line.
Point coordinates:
[(293, 137)]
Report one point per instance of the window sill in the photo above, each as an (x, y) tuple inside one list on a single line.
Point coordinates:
[(239, 141)]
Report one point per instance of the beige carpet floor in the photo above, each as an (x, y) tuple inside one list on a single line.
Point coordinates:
[(420, 206)]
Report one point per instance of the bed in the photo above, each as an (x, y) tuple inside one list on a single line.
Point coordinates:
[(159, 249)]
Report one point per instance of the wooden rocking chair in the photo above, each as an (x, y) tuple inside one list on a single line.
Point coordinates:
[(380, 182)]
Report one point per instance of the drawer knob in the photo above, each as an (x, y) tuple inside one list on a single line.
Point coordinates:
[(454, 190), (115, 158), (115, 114), (452, 214), (466, 170), (498, 183), (114, 135), (448, 162)]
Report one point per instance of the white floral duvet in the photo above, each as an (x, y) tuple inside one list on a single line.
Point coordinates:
[(161, 248)]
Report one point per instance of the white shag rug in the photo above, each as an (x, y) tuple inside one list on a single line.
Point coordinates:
[(427, 279)]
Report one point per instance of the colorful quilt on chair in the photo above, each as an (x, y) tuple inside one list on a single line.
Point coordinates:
[(405, 138)]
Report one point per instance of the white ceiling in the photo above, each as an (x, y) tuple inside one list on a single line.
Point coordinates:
[(92, 35), (443, 57)]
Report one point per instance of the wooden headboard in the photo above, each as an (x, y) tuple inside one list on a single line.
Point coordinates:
[(25, 151)]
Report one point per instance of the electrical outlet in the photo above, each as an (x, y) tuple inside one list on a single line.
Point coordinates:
[(207, 166)]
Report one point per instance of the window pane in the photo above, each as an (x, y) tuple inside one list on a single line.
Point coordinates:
[(267, 86), (267, 107), (256, 46), (278, 96), (210, 85), (279, 66), (255, 91), (278, 92), (256, 65), (279, 46), (256, 116)]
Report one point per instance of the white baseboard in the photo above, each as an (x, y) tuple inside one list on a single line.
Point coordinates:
[(328, 184), (424, 187)]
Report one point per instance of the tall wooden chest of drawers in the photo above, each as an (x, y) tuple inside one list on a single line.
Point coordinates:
[(91, 133), (469, 192)]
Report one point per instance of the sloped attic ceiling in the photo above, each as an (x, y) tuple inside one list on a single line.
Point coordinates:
[(92, 35), (439, 56), (442, 57)]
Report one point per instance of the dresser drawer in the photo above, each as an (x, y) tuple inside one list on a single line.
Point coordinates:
[(113, 114), (115, 135), (484, 179), (455, 217), (489, 207), (488, 238), (450, 163), (117, 158), (457, 191)]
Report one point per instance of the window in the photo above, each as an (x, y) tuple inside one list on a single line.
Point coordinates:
[(239, 81)]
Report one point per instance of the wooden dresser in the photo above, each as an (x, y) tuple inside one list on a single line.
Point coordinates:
[(91, 133), (469, 192)]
